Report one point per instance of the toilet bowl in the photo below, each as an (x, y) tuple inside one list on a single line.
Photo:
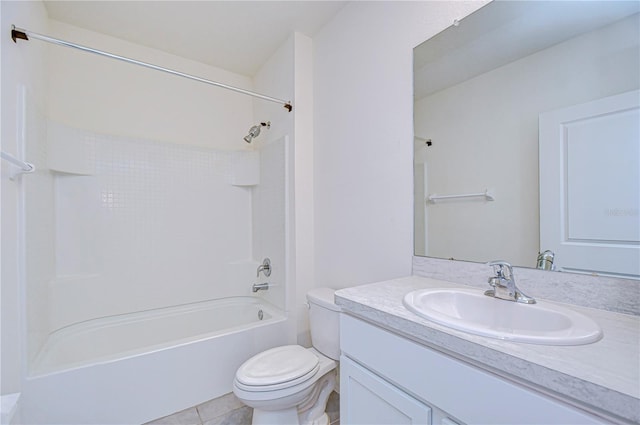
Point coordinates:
[(291, 384)]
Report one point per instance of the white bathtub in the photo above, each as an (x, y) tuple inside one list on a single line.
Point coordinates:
[(133, 368)]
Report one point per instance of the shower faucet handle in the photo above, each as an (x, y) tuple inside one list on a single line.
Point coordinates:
[(265, 267)]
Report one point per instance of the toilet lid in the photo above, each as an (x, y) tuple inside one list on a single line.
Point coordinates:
[(278, 365)]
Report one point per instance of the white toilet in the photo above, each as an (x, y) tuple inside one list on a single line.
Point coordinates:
[(291, 384)]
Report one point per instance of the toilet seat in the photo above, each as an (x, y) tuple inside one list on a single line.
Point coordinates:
[(277, 368)]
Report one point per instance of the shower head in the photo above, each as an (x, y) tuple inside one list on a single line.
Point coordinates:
[(255, 131)]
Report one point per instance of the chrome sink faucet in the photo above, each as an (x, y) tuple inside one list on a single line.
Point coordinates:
[(504, 284)]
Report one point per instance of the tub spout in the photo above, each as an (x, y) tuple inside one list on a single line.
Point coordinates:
[(260, 286)]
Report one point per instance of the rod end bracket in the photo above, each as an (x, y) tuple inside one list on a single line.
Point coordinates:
[(288, 106), (18, 34)]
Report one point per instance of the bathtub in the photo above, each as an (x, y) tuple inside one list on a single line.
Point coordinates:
[(133, 368)]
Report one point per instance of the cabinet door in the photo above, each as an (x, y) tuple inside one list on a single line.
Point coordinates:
[(369, 400)]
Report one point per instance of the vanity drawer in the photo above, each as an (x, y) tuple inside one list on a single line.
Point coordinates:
[(468, 393)]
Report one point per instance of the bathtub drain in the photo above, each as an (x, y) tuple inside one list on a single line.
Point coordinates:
[(260, 315)]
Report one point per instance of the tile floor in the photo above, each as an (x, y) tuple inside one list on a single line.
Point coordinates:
[(228, 410)]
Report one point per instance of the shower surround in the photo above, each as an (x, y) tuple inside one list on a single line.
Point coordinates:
[(133, 215), (146, 237)]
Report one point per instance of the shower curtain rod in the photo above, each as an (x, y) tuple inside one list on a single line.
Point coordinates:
[(19, 33)]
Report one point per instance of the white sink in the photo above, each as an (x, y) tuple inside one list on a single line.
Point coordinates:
[(471, 311)]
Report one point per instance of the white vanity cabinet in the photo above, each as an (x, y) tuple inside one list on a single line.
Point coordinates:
[(374, 401), (388, 379)]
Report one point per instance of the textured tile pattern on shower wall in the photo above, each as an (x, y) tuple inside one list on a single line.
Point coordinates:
[(154, 224)]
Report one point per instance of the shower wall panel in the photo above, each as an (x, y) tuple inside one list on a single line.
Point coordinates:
[(142, 224), (37, 227), (269, 217)]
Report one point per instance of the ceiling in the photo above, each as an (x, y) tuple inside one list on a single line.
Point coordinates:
[(238, 36)]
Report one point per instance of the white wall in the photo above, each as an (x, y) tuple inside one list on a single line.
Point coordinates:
[(363, 137), (22, 64), (288, 75), (304, 176), (275, 78), (485, 136), (113, 97)]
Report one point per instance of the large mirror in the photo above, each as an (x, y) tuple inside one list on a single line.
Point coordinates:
[(482, 90)]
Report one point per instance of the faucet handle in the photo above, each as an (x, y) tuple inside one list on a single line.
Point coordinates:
[(502, 269), (265, 267), (504, 284)]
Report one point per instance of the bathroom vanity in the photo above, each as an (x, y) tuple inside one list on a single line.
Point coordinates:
[(399, 368)]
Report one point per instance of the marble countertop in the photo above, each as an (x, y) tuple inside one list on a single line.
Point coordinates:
[(602, 376)]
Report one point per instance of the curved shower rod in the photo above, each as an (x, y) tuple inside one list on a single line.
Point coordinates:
[(19, 33)]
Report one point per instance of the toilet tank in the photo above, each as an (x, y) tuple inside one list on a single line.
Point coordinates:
[(324, 321)]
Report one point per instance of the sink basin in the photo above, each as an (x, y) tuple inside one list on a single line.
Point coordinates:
[(471, 311)]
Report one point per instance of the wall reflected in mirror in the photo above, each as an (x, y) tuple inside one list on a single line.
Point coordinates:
[(479, 89)]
